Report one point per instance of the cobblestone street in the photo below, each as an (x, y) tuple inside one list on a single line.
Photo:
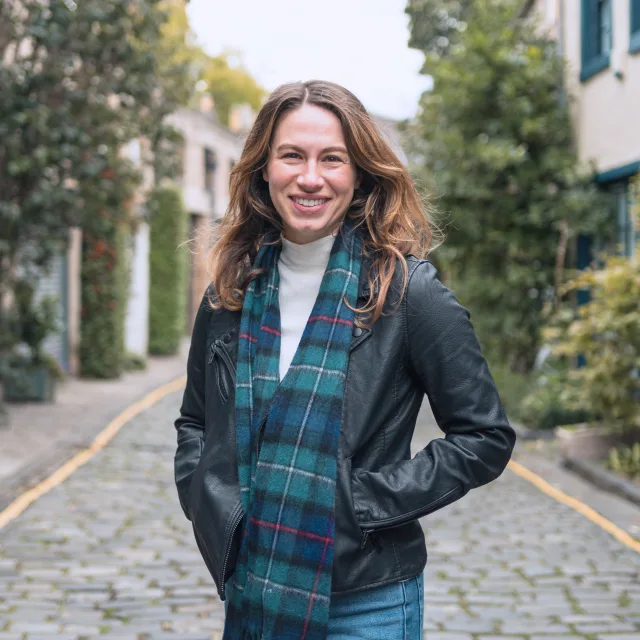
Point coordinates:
[(109, 554)]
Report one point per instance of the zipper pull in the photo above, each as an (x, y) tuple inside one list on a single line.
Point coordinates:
[(365, 537), (369, 534)]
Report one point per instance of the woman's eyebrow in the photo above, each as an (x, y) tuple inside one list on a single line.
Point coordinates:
[(334, 148)]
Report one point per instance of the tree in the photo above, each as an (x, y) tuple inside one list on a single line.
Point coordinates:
[(436, 25), (230, 84), (79, 80), (496, 147)]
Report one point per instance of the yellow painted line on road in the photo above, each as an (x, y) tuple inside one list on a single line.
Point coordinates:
[(104, 437), (619, 534)]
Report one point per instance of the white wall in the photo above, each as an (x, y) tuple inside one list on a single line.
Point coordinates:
[(200, 131), (137, 318)]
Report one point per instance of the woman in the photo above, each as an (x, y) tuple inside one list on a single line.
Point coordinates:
[(311, 355)]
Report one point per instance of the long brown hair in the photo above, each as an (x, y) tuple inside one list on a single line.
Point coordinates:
[(386, 206)]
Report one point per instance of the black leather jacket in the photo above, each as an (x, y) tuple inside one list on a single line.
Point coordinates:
[(427, 346)]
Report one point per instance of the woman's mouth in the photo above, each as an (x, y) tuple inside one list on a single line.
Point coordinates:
[(309, 205)]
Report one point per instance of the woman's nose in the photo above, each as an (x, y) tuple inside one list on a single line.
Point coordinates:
[(310, 178)]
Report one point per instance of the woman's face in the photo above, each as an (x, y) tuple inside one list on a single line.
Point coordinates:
[(310, 174)]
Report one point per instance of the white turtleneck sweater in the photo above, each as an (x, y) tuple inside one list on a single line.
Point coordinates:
[(301, 268)]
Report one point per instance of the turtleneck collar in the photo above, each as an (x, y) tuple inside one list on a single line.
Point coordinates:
[(307, 257)]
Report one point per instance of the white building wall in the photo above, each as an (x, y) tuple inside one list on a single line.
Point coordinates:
[(606, 107), (201, 131), (137, 318)]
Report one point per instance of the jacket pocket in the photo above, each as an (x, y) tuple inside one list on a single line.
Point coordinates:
[(185, 462), (368, 527), (225, 369), (216, 525)]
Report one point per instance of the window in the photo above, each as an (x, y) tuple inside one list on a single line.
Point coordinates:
[(625, 228), (597, 37), (634, 38), (210, 165)]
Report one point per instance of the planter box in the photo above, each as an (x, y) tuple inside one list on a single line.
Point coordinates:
[(591, 443), (36, 384)]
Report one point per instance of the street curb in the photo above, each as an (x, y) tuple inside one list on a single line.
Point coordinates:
[(603, 479)]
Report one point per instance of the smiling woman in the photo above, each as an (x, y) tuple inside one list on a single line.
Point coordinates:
[(312, 351), (310, 174)]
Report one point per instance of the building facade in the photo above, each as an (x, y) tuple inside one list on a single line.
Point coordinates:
[(600, 41), (210, 151)]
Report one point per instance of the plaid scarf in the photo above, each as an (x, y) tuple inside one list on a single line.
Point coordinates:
[(287, 444)]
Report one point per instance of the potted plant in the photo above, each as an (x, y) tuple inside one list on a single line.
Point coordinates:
[(32, 373)]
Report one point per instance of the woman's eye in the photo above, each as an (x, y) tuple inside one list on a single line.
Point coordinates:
[(291, 154), (333, 159)]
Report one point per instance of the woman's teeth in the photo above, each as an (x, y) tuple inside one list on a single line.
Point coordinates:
[(309, 203)]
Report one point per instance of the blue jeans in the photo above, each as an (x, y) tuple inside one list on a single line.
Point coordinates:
[(392, 612)]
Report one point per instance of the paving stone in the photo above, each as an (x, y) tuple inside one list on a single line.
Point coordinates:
[(35, 627), (441, 635), (609, 627), (561, 637), (529, 627), (469, 625)]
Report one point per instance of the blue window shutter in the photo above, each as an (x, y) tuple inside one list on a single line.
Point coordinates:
[(589, 19), (596, 19), (634, 20), (635, 15)]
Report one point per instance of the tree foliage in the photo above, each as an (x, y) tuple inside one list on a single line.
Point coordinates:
[(437, 25), (230, 83), (495, 146)]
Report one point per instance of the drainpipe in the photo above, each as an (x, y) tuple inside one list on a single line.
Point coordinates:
[(563, 96)]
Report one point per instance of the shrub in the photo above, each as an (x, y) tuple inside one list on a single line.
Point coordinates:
[(548, 404), (134, 362), (104, 301), (168, 270), (626, 460), (512, 387), (605, 333)]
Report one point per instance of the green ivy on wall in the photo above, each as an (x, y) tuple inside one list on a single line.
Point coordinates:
[(168, 270), (104, 302)]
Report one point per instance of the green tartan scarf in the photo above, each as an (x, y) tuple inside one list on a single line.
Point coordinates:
[(287, 437)]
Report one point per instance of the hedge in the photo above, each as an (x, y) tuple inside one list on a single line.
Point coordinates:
[(104, 288), (168, 270)]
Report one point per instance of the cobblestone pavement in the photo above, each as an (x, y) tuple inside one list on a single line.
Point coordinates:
[(109, 554)]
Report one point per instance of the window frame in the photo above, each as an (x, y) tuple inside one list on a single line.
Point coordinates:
[(593, 63)]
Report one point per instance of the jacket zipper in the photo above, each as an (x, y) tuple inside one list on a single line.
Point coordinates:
[(236, 521), (369, 532)]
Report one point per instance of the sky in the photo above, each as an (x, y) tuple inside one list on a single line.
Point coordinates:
[(360, 44)]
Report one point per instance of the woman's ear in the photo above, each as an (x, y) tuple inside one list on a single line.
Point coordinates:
[(265, 175), (358, 179)]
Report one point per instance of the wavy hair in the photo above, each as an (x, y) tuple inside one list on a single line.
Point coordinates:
[(386, 207)]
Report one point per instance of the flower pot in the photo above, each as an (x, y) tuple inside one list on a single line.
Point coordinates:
[(35, 384), (592, 443)]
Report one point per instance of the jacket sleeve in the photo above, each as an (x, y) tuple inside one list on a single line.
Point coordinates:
[(190, 424), (446, 357)]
